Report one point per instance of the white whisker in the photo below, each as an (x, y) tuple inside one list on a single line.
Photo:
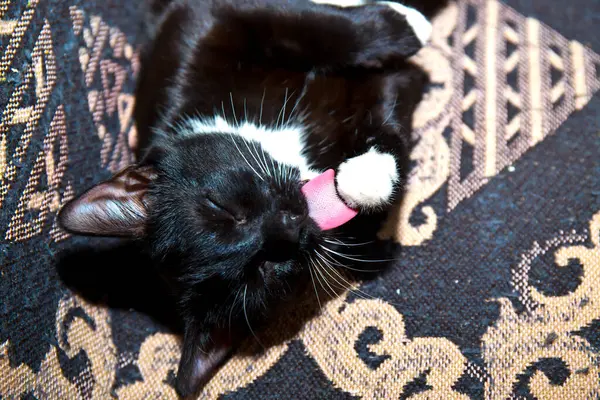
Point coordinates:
[(251, 153), (313, 282), (261, 163), (317, 269), (339, 242), (262, 102), (282, 111), (326, 269), (391, 113), (351, 258), (240, 151), (247, 320), (349, 285), (233, 109), (233, 306)]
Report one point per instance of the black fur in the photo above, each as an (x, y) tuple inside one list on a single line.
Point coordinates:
[(229, 244)]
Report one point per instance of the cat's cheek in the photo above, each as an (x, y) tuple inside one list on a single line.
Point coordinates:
[(367, 181)]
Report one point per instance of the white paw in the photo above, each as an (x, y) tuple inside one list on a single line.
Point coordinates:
[(367, 181), (416, 20)]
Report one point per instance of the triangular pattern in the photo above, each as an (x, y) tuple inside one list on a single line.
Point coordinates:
[(122, 154), (21, 117), (526, 78), (109, 65), (77, 18), (113, 77), (16, 29), (43, 193), (502, 84)]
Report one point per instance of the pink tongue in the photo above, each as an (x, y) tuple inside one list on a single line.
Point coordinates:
[(324, 205)]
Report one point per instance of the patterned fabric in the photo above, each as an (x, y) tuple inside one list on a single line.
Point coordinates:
[(495, 293)]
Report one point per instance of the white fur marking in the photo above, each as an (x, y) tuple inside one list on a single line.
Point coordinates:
[(417, 21), (342, 3), (421, 26), (284, 145), (367, 181)]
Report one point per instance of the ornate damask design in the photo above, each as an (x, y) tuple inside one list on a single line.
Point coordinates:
[(330, 339), (516, 342), (159, 356), (81, 329), (108, 62), (548, 328), (501, 83)]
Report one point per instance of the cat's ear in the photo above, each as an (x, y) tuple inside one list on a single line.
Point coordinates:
[(117, 207), (200, 359)]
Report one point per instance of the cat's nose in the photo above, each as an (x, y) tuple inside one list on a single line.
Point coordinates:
[(282, 236), (290, 226)]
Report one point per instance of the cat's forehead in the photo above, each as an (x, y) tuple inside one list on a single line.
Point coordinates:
[(269, 150), (232, 159)]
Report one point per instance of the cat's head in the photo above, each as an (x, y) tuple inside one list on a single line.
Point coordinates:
[(217, 212)]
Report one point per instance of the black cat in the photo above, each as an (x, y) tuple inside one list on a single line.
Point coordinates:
[(239, 103)]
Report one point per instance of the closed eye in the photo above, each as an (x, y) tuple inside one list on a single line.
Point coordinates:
[(217, 206)]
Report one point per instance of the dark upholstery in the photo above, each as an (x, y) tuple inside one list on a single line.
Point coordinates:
[(495, 293)]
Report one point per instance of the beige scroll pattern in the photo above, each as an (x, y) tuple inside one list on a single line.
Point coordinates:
[(329, 340), (548, 330), (513, 344), (516, 342), (90, 336)]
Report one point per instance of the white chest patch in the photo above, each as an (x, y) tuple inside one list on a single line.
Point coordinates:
[(285, 145)]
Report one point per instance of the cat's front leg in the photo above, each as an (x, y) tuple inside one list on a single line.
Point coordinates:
[(389, 30), (368, 181), (419, 23)]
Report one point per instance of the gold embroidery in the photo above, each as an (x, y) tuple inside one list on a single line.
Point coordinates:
[(159, 354), (242, 370), (432, 169), (48, 200), (330, 340), (34, 205), (105, 78), (94, 339), (75, 335), (16, 30), (15, 112), (547, 328), (478, 86)]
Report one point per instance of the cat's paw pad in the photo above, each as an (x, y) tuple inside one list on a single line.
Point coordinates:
[(420, 25), (367, 181)]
